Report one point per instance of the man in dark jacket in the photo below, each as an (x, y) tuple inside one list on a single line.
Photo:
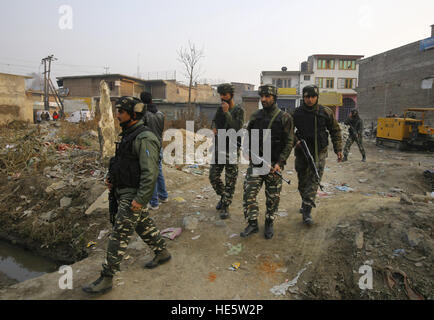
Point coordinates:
[(355, 134), (154, 119)]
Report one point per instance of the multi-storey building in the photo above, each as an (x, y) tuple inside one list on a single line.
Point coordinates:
[(337, 78)]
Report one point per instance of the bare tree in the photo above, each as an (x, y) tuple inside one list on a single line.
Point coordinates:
[(189, 57)]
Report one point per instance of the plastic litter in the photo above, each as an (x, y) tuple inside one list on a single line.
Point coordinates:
[(235, 266), (171, 233), (280, 290), (344, 188), (196, 237), (91, 244), (234, 250), (102, 233), (179, 199)]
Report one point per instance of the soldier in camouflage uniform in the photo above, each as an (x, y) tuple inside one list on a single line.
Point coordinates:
[(133, 173), (282, 139), (356, 134), (228, 116), (313, 123)]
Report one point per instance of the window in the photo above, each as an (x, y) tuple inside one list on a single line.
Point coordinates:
[(347, 64), (326, 64), (330, 83), (279, 83), (306, 78), (347, 83), (319, 82)]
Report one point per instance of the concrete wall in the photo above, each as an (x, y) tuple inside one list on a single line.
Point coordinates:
[(392, 81), (14, 104), (178, 93)]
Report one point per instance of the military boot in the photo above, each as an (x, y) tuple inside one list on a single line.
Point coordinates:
[(250, 229), (224, 213), (307, 218), (219, 204), (364, 158), (268, 232), (159, 258), (102, 285), (345, 158)]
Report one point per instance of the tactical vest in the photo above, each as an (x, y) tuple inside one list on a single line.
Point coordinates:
[(304, 121), (220, 119), (124, 167), (220, 122), (262, 122)]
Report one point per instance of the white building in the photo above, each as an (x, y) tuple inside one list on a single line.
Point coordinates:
[(337, 78)]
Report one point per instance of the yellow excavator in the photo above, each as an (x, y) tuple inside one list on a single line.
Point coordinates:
[(407, 131)]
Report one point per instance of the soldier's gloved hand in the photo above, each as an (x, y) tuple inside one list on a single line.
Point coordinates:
[(135, 206)]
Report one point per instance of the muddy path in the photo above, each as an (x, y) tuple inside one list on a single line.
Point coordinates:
[(200, 266)]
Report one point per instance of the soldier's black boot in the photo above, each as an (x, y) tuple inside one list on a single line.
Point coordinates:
[(345, 158), (269, 231), (307, 218), (159, 258), (219, 204), (101, 285), (302, 208), (364, 158), (224, 213), (250, 229)]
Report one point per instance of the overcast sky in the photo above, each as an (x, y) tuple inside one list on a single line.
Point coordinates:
[(240, 38)]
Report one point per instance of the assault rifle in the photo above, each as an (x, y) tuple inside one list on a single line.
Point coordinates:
[(311, 161)]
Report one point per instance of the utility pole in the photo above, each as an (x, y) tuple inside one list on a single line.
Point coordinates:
[(46, 80), (48, 85), (106, 70)]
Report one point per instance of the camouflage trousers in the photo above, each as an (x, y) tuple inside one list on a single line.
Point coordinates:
[(350, 141), (307, 183), (252, 186), (128, 221), (226, 190)]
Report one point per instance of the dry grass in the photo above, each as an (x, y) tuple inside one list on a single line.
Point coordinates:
[(72, 133)]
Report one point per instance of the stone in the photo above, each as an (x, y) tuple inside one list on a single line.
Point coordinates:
[(106, 124), (413, 236), (190, 223), (65, 202), (406, 199), (359, 240), (48, 216), (55, 186)]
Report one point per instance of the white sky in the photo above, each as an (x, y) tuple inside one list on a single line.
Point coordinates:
[(240, 38)]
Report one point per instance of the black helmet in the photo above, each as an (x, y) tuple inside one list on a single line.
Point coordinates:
[(130, 104), (311, 91), (226, 88)]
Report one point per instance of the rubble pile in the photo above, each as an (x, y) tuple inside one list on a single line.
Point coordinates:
[(46, 187)]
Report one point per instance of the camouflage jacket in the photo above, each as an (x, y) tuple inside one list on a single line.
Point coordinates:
[(356, 125), (147, 147), (233, 119)]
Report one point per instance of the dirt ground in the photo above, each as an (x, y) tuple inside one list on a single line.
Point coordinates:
[(386, 222)]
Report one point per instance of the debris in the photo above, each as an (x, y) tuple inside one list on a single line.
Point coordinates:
[(406, 200), (344, 188), (323, 194), (234, 250), (179, 199), (196, 237), (397, 190), (171, 233), (359, 240), (55, 186), (413, 236), (398, 252), (282, 214), (190, 223), (48, 216), (280, 290), (234, 235), (235, 266), (91, 244), (363, 180), (282, 270), (102, 233), (100, 203), (65, 202)]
